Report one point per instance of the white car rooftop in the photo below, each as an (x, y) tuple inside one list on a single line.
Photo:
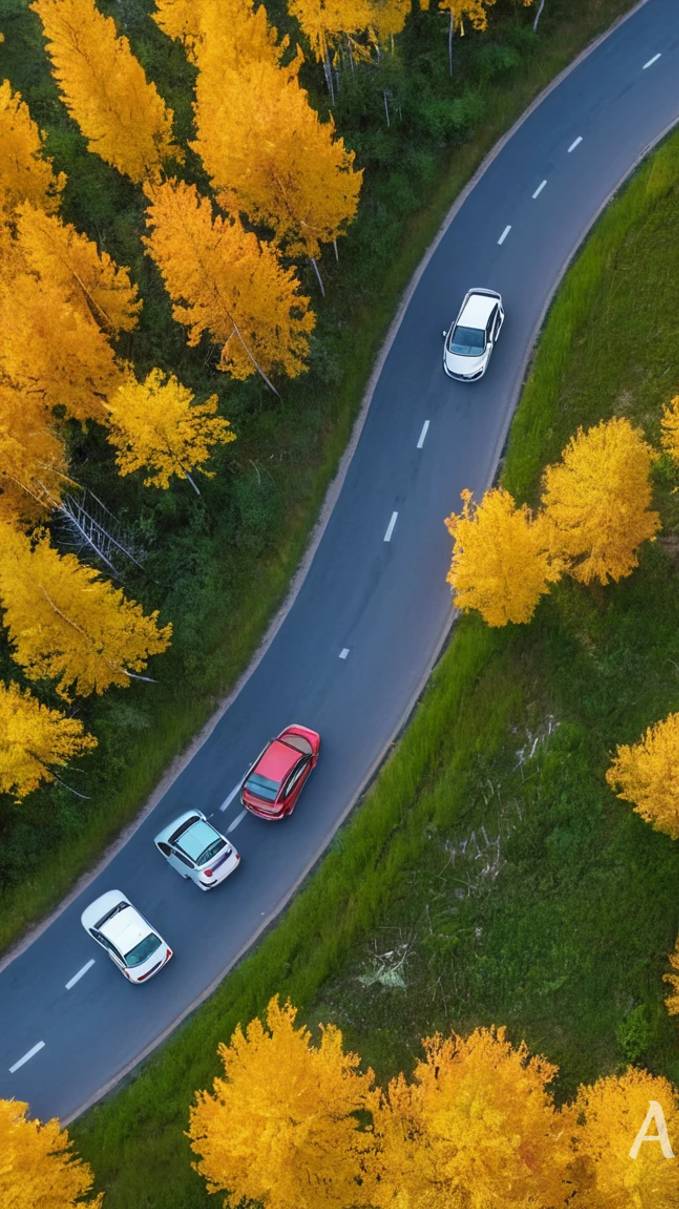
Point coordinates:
[(136, 948), (476, 309)]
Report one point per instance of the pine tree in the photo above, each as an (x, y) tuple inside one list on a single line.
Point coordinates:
[(500, 565), (38, 1167), (225, 283), (33, 470), (301, 182), (475, 1127), (597, 502), (610, 1114), (647, 774), (105, 90), (26, 173), (68, 624), (281, 1126), (157, 426), (89, 279), (51, 350), (34, 740)]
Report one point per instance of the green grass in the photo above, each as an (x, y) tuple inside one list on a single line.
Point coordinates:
[(490, 853), (220, 566)]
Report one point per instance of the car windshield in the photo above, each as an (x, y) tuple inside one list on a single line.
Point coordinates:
[(143, 950), (467, 341), (262, 787)]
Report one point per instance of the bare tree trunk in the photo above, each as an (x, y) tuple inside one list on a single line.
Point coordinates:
[(250, 354), (327, 71), (334, 244), (537, 16), (386, 106), (318, 274), (450, 43)]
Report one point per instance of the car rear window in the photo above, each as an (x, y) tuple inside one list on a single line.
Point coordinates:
[(262, 787), (141, 952)]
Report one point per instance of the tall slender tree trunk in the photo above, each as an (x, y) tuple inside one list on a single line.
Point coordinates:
[(334, 244), (451, 27), (537, 16), (327, 71), (318, 274), (386, 106)]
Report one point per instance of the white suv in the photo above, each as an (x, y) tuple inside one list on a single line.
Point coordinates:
[(470, 340)]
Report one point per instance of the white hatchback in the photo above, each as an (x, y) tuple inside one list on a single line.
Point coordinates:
[(129, 940), (195, 849), (470, 340)]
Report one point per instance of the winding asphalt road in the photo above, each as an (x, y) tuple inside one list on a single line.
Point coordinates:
[(373, 609)]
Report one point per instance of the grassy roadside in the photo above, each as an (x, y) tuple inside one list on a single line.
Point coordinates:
[(220, 608), (489, 859)]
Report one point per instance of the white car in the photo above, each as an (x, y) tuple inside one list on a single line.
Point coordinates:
[(197, 850), (470, 340), (130, 941)]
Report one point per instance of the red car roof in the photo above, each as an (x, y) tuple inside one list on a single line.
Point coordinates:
[(277, 761)]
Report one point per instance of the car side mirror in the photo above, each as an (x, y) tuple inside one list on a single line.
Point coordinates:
[(444, 334)]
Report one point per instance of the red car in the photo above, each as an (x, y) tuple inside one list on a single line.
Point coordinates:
[(274, 782)]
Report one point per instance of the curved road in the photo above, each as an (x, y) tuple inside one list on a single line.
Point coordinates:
[(383, 603)]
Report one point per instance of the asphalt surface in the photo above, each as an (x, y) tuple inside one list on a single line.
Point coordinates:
[(385, 602)]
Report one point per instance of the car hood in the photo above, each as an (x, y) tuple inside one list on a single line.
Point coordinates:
[(464, 367)]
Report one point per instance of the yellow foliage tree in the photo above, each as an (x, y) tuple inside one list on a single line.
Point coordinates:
[(670, 428), (280, 1128), (224, 282), (37, 1164), (268, 155), (597, 501), (647, 774), (672, 1000), (52, 350), (476, 1127), (222, 33), (156, 425), (32, 457), (55, 252), (324, 22), (68, 624), (500, 566), (474, 11), (105, 90), (26, 173), (34, 740), (610, 1114)]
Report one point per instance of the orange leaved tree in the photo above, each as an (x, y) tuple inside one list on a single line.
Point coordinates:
[(670, 428), (34, 741), (610, 1115), (155, 425), (26, 173), (672, 1000), (105, 90), (281, 1126), (38, 1166), (224, 283), (33, 471), (67, 624), (300, 182), (476, 1126), (647, 774), (597, 501), (500, 565)]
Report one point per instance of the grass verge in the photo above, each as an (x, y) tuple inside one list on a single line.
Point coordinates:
[(220, 567), (489, 860)]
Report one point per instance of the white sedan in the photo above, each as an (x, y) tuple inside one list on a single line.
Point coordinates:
[(197, 850), (470, 340), (132, 944)]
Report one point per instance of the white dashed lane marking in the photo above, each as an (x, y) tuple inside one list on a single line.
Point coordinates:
[(539, 189), (504, 235), (227, 801), (236, 822), (576, 143), (651, 61), (76, 977), (27, 1057), (344, 652), (423, 434), (390, 526)]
